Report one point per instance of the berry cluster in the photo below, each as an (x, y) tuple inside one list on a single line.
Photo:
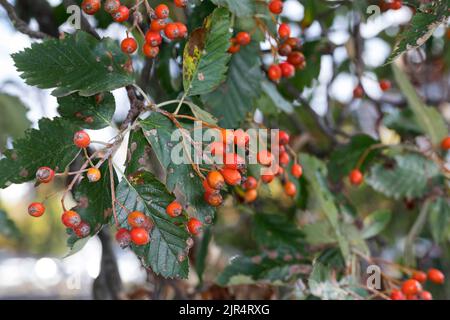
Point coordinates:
[(69, 218), (233, 171), (289, 48), (158, 24), (411, 289)]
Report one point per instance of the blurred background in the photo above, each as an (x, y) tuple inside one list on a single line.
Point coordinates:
[(32, 251)]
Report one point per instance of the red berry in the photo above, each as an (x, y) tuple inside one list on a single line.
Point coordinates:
[(153, 38), (70, 219), (250, 195), (82, 230), (290, 189), (284, 31), (267, 177), (284, 50), (150, 51), (81, 139), (136, 219), (129, 45), (445, 144), (358, 92), (283, 137), (243, 38), (234, 161), (194, 226), (396, 5), (232, 177), (215, 180), (425, 295), (181, 3), (45, 174), (208, 188), (36, 209), (294, 43), (356, 177), (250, 183), (213, 198), (287, 70), (123, 237), (93, 175), (397, 295), (158, 24), (174, 209), (436, 276), (172, 31), (385, 85), (122, 14), (234, 47), (276, 6), (241, 138), (411, 287), (297, 59), (284, 159), (162, 11), (420, 276), (91, 6), (274, 73), (139, 236), (112, 6), (182, 29), (265, 157), (297, 170)]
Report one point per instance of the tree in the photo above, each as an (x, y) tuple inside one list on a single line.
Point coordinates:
[(316, 202)]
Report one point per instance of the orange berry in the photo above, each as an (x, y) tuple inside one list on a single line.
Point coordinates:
[(194, 226), (420, 276), (172, 31), (232, 177), (425, 295), (290, 189), (445, 144), (436, 276), (215, 180), (397, 295), (81, 139), (93, 175), (36, 209), (136, 219), (150, 51), (82, 230), (250, 195), (70, 219), (250, 183), (267, 177), (158, 25), (234, 46), (129, 45), (358, 92), (213, 198), (153, 38), (181, 3), (123, 237), (284, 158), (243, 38), (174, 209), (283, 137), (207, 187), (265, 157), (297, 170), (162, 11), (139, 236), (411, 287), (45, 174), (356, 177)]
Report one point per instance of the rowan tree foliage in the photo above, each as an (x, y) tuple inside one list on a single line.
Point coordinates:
[(362, 182)]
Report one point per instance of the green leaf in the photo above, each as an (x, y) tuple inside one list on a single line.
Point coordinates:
[(166, 252), (94, 205), (158, 130), (276, 231), (402, 121), (202, 253), (234, 99), (8, 228), (422, 27), (429, 119), (439, 219), (51, 146), (305, 78), (205, 55), (13, 119), (408, 179), (241, 8), (201, 114), (274, 95), (79, 62), (345, 158), (275, 267), (375, 222), (315, 173), (95, 112), (319, 233)]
